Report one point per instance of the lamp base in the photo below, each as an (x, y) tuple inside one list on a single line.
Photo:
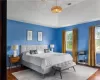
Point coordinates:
[(51, 49), (15, 54)]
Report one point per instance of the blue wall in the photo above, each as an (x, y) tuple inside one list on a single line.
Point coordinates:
[(16, 34), (83, 36), (98, 58)]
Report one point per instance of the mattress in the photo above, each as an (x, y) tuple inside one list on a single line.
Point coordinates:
[(42, 63), (35, 67)]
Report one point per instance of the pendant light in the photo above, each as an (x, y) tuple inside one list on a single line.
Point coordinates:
[(56, 9)]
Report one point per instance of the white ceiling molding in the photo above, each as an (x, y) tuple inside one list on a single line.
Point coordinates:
[(40, 24), (39, 12), (82, 22)]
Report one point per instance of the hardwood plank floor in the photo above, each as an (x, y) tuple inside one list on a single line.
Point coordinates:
[(95, 76), (10, 71)]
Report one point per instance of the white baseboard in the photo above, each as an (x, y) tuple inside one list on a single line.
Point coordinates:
[(14, 66), (98, 65)]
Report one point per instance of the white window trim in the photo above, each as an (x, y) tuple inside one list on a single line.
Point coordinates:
[(68, 49), (97, 52)]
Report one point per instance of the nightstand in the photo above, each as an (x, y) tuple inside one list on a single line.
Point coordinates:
[(14, 60)]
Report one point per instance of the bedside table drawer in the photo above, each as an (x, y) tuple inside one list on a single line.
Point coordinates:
[(14, 59)]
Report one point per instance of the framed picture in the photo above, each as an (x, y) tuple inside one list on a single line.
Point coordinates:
[(39, 36), (29, 35)]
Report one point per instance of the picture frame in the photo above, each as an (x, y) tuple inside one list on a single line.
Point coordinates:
[(29, 35), (40, 35)]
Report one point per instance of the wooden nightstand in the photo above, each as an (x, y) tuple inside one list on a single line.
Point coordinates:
[(14, 60)]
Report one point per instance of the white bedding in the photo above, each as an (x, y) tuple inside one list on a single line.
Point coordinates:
[(46, 59)]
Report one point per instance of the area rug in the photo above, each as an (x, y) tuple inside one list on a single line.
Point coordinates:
[(82, 73)]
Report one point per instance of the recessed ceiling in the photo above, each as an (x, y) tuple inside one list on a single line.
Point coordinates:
[(37, 11)]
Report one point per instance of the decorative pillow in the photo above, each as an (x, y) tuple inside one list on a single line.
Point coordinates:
[(40, 51), (33, 51), (46, 50), (28, 53)]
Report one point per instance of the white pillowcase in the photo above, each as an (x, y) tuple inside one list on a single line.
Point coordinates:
[(40, 51), (27, 53)]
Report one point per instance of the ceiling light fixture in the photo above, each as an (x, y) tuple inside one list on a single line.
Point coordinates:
[(56, 9)]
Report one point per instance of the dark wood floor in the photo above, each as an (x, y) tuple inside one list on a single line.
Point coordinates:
[(95, 76), (10, 71)]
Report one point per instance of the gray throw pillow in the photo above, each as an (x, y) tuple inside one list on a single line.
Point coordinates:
[(33, 51), (46, 50)]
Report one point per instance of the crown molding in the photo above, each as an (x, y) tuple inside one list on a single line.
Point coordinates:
[(35, 23), (82, 22), (51, 26)]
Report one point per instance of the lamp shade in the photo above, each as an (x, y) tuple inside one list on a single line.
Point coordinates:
[(51, 45), (14, 47)]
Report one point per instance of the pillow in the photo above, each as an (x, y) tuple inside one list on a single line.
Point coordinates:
[(40, 51), (33, 51), (46, 50), (27, 53)]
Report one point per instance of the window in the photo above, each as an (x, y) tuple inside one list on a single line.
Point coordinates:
[(69, 40), (97, 39)]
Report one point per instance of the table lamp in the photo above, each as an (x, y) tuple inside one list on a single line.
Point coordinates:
[(15, 48), (52, 46)]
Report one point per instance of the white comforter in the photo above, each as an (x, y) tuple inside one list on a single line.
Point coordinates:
[(46, 59)]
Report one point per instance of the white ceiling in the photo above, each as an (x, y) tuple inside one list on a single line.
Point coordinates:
[(39, 12)]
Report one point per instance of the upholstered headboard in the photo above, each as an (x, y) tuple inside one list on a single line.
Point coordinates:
[(25, 48)]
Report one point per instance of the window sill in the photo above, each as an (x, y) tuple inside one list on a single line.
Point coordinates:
[(69, 50), (98, 52)]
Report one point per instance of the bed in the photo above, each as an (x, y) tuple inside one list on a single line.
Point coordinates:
[(43, 62)]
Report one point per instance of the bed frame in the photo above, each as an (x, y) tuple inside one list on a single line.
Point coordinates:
[(25, 48)]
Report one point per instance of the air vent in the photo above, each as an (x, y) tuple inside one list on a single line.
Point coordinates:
[(69, 3)]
